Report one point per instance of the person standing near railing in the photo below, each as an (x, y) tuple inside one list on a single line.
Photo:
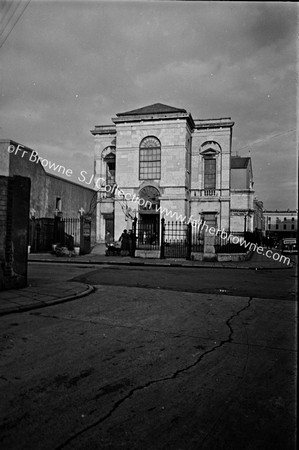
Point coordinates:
[(125, 243), (132, 243)]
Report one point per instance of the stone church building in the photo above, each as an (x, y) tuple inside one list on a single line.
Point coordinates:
[(167, 164)]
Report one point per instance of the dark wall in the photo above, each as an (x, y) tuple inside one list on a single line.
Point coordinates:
[(21, 166), (14, 228), (3, 226)]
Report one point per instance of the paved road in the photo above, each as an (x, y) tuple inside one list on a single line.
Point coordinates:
[(248, 283), (45, 273), (151, 368)]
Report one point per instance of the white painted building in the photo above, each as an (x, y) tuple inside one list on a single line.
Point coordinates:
[(176, 166), (281, 224)]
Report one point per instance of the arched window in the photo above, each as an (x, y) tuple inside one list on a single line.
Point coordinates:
[(110, 169), (108, 157), (150, 159), (149, 199)]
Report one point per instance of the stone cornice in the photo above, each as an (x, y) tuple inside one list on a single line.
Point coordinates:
[(224, 122), (155, 117), (103, 129)]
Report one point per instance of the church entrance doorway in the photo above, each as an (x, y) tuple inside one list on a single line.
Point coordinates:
[(109, 227), (148, 230), (148, 225)]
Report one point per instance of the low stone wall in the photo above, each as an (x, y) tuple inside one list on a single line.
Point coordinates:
[(222, 257), (197, 256), (147, 254), (234, 256)]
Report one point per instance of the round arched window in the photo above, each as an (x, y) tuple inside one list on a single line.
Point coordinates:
[(150, 159), (149, 198)]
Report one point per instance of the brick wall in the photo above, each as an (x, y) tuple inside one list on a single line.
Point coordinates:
[(14, 220), (3, 226)]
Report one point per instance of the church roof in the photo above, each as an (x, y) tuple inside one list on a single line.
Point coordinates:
[(237, 162), (156, 108)]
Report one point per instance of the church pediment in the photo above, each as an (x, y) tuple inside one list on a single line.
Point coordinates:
[(156, 108), (210, 148)]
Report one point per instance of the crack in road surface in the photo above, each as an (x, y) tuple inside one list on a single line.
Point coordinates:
[(226, 404), (159, 380), (112, 323)]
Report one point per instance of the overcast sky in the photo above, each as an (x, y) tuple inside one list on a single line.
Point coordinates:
[(68, 66)]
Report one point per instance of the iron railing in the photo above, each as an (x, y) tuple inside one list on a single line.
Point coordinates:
[(69, 232), (147, 235), (72, 228), (178, 239), (175, 240)]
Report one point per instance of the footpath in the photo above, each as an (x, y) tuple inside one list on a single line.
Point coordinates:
[(254, 262), (32, 297)]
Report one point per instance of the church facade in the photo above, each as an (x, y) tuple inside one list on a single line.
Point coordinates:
[(157, 161)]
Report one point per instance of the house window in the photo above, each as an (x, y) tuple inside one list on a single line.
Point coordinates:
[(284, 227), (285, 219), (110, 169), (150, 159), (293, 219), (269, 227), (58, 204), (277, 227), (209, 173), (293, 227)]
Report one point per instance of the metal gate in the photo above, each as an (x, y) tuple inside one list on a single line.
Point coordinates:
[(175, 240), (70, 232), (146, 232), (172, 239), (41, 233)]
